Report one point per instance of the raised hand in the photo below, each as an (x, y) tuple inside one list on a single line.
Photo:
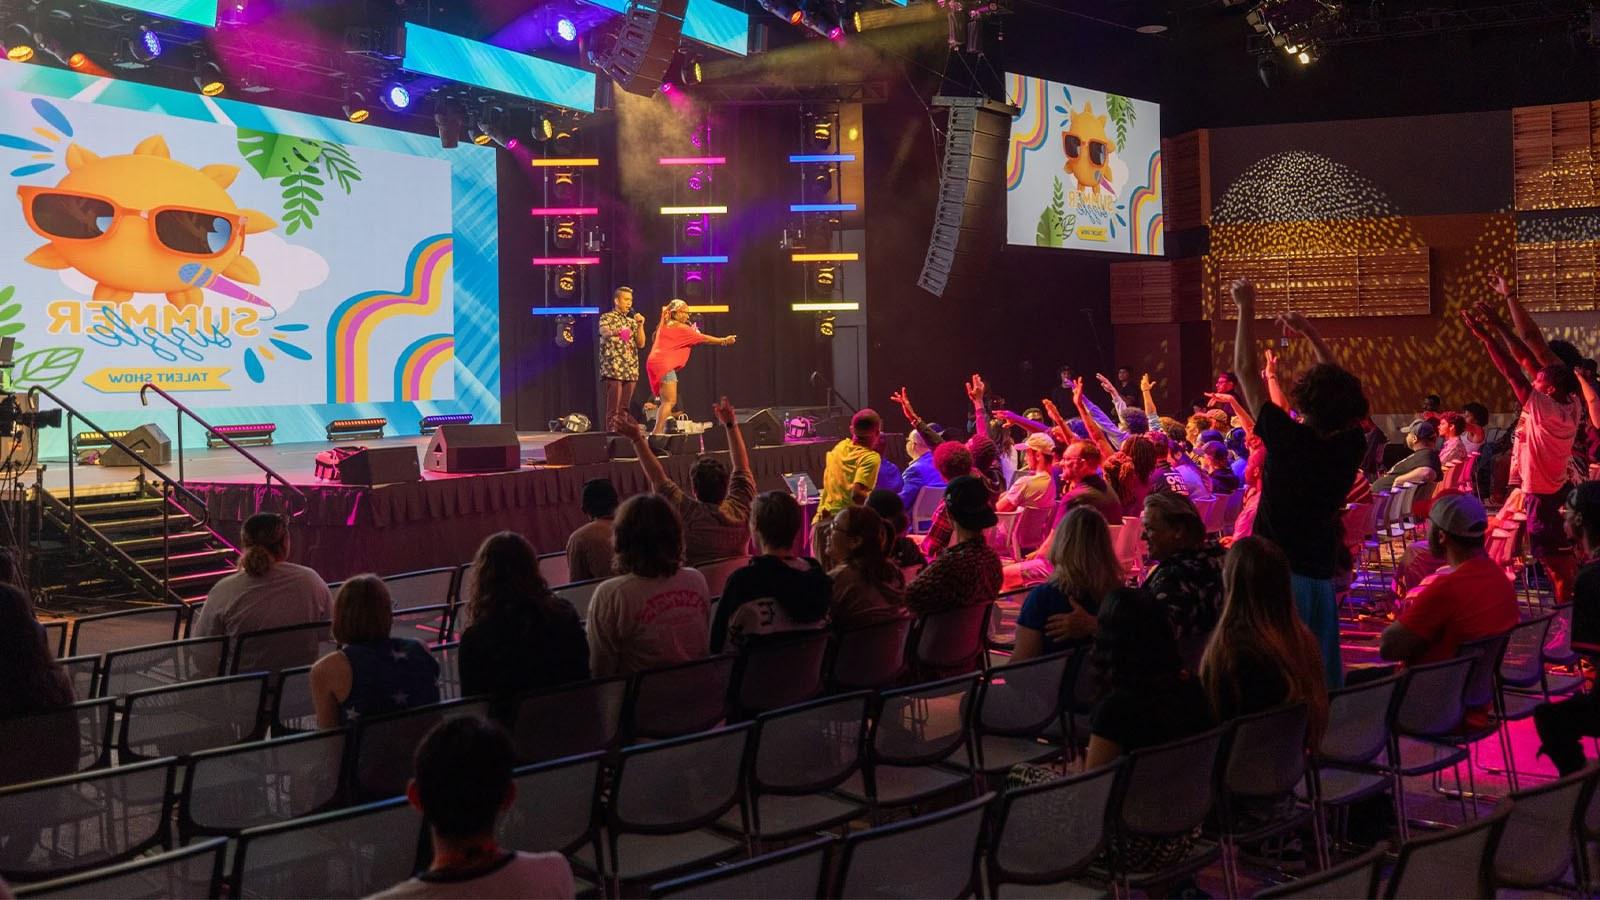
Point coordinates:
[(1271, 371), (723, 410), (1077, 390), (1105, 383), (624, 424), (904, 400), (976, 388), (1497, 283), (731, 339), (1051, 410), (1244, 297), (1146, 383), (1295, 323), (1220, 399)]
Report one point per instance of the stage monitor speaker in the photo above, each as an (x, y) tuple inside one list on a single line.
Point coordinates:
[(473, 448), (584, 449), (148, 442), (645, 44), (762, 428), (970, 221), (380, 465), (621, 448)]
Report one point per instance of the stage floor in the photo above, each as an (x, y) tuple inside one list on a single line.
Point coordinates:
[(295, 462)]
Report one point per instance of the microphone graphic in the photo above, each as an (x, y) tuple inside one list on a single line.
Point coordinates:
[(205, 277)]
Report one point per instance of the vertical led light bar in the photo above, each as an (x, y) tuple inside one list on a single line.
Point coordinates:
[(694, 253)]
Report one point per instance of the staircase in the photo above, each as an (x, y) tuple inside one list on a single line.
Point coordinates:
[(108, 549)]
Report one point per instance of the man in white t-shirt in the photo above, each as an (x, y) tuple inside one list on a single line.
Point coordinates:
[(462, 785), (1033, 489)]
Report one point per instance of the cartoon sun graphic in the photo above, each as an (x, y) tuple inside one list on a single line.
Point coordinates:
[(134, 223), (1088, 149)]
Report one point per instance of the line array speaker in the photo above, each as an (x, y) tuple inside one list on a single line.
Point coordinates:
[(645, 44), (969, 223)]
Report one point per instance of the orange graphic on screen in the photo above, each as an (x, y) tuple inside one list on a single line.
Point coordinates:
[(143, 223), (1088, 150)]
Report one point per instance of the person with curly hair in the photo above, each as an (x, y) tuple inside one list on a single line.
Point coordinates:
[(657, 612)]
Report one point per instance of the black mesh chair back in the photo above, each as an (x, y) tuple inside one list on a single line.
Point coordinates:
[(570, 720), (778, 670), (448, 656), (1485, 654), (1025, 698), (84, 671), (928, 856), (381, 748), (951, 641), (347, 853), (104, 632), (56, 742), (55, 635), (871, 657), (557, 809), (680, 784), (794, 872), (1357, 877), (194, 716), (1538, 843), (67, 825), (924, 724), (1432, 699), (553, 568), (292, 708), (1265, 753), (811, 747), (1168, 790), (1359, 720), (233, 788), (1522, 665), (424, 624), (161, 665), (427, 587), (1455, 863), (1048, 833), (680, 699), (276, 649), (188, 873), (578, 593), (1558, 641), (716, 572)]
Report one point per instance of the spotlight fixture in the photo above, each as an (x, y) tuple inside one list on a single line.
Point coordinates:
[(356, 429), (256, 434), (355, 106), (784, 10), (822, 132), (544, 126), (566, 30), (566, 281), (396, 98), (208, 78), (429, 424), (825, 325), (19, 41), (564, 331), (136, 48)]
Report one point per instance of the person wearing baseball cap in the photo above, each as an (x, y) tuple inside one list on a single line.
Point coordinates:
[(1034, 489), (1422, 466), (969, 571), (1562, 726), (675, 337), (1469, 598)]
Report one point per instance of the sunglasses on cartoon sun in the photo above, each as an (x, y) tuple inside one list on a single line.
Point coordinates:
[(1074, 146), (75, 216)]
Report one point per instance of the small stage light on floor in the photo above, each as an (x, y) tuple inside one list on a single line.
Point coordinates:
[(430, 424), (96, 440), (252, 434), (572, 423), (356, 429)]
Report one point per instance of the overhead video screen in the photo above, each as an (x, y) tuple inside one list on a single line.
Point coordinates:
[(1083, 170)]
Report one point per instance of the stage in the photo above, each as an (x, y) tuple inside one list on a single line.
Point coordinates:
[(439, 521)]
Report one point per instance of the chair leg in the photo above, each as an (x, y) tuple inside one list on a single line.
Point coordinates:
[(1230, 867)]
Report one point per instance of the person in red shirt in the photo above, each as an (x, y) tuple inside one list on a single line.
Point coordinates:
[(675, 337), (1468, 599)]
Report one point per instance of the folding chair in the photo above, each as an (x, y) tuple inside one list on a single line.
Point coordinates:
[(923, 508), (871, 657), (578, 593), (63, 826), (379, 758), (56, 742), (1352, 762), (1358, 877), (1017, 705), (795, 872), (1047, 836), (716, 572), (680, 699), (425, 624), (161, 665), (779, 670), (233, 788), (193, 716), (426, 587), (916, 733), (557, 809), (1165, 793), (1454, 863), (286, 647), (1429, 711), (1263, 761), (951, 642), (569, 720), (346, 853), (103, 632), (188, 873), (1521, 671), (1540, 839), (553, 568), (84, 671), (798, 756), (934, 855), (293, 710), (55, 635), (448, 656)]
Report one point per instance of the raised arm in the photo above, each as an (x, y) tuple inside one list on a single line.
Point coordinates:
[(638, 330), (1274, 383), (1591, 395), (1295, 323), (629, 428), (1526, 328), (1499, 355), (1244, 350), (976, 391), (723, 412), (1232, 402), (1147, 387), (1488, 317), (903, 399), (1026, 424), (1096, 434), (1117, 401)]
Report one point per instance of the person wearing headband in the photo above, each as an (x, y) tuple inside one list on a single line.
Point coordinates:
[(675, 337)]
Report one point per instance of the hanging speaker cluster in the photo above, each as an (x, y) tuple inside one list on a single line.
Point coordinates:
[(969, 223)]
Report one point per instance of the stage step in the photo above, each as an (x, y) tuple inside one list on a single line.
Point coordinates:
[(208, 578), (140, 522), (177, 560), (132, 546), (112, 507)]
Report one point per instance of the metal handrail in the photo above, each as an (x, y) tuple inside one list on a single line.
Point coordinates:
[(268, 471)]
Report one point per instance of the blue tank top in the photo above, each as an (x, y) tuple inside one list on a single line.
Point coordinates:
[(388, 676)]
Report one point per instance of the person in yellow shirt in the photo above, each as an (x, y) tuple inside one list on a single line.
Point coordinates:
[(850, 475)]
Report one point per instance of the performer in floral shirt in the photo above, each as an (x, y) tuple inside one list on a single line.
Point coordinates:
[(621, 338)]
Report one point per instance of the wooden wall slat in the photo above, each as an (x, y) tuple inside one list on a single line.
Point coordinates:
[(1334, 285)]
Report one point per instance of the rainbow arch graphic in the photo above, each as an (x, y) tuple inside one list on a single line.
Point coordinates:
[(1028, 128), (1145, 221), (354, 322), (419, 365)]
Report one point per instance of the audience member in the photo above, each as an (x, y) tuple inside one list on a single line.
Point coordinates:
[(1060, 613), (1244, 524), (462, 787), (1261, 655), (968, 572), (1452, 428), (1127, 388), (1422, 466), (1033, 490), (779, 590), (589, 547), (371, 673), (953, 460), (903, 551), (1214, 461), (268, 591), (1376, 441), (868, 587), (522, 637), (1309, 468), (1188, 570), (1474, 436), (1084, 483), (657, 611), (32, 681), (850, 474), (716, 520), (920, 472), (1563, 725)]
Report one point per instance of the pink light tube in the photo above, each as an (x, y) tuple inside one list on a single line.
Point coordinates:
[(566, 260), (692, 160), (565, 211)]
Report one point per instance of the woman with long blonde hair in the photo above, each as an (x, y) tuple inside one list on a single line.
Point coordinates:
[(1260, 654), (1086, 571)]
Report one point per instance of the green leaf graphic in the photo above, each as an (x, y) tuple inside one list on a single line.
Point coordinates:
[(341, 165), (10, 312), (49, 368), (277, 155), (6, 292), (1123, 114)]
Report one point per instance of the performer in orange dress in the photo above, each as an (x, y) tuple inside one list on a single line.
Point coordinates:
[(675, 337)]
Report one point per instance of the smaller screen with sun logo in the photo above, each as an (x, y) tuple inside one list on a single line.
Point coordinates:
[(1083, 169)]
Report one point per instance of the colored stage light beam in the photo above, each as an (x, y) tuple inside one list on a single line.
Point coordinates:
[(566, 260), (835, 306), (454, 58), (689, 260), (692, 160), (565, 211), (199, 12), (566, 310), (693, 210), (850, 256), (714, 308), (822, 207), (574, 163), (822, 158)]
